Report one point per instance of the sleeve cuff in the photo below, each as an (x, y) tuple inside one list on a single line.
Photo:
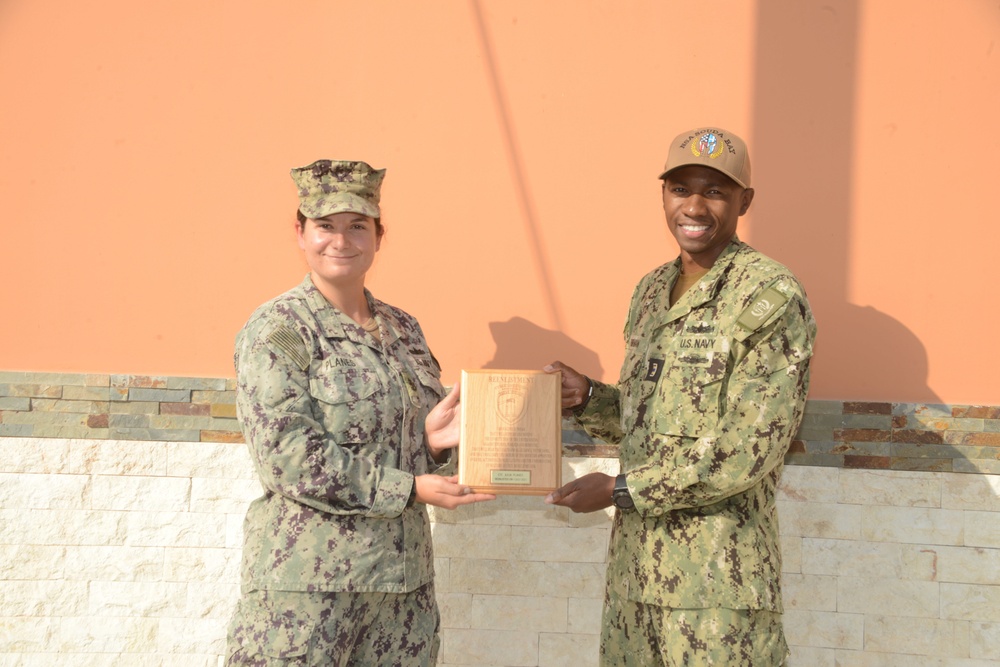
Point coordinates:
[(393, 494)]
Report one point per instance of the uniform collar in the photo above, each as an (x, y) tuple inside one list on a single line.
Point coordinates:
[(331, 320), (706, 288), (386, 316)]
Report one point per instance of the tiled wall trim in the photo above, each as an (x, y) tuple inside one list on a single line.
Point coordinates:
[(839, 434)]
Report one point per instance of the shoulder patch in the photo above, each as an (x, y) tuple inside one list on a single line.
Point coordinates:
[(766, 303), (289, 342)]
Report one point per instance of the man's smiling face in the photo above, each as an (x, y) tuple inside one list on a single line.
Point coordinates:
[(702, 206)]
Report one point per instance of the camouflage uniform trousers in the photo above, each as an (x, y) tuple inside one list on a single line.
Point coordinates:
[(292, 628), (635, 634)]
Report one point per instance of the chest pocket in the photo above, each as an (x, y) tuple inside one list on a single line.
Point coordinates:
[(347, 399), (428, 374), (689, 393), (421, 378), (637, 384)]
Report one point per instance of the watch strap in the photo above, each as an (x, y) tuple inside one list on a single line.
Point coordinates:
[(578, 410)]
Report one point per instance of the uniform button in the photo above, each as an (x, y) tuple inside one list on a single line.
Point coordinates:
[(658, 511)]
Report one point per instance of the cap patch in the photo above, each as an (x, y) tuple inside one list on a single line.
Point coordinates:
[(708, 145)]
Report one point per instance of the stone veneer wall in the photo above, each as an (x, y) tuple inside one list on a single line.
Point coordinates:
[(841, 434), (122, 499)]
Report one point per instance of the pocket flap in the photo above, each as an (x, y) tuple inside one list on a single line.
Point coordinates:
[(343, 385), (273, 634)]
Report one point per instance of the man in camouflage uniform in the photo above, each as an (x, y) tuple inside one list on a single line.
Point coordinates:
[(338, 562), (711, 392)]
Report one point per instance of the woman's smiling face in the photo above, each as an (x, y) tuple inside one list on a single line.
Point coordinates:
[(339, 248)]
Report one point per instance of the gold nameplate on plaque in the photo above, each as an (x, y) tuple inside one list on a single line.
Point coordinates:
[(511, 439)]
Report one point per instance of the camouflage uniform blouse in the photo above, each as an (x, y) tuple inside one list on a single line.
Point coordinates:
[(335, 425), (710, 395)]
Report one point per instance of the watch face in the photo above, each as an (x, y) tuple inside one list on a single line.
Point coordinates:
[(623, 501), (620, 495)]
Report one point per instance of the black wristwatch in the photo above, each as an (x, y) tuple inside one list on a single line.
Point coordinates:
[(620, 496)]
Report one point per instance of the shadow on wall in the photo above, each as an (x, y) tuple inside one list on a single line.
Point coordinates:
[(538, 251), (523, 345), (804, 105), (869, 352)]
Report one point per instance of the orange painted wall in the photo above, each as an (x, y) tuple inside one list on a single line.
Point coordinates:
[(146, 207)]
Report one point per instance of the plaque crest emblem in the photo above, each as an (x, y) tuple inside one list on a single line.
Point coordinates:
[(708, 144), (510, 403)]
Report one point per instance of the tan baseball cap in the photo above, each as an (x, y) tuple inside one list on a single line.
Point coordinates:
[(338, 186), (710, 147)]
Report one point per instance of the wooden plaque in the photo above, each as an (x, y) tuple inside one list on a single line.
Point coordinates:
[(511, 438)]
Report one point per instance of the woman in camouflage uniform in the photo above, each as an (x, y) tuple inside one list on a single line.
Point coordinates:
[(341, 404)]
